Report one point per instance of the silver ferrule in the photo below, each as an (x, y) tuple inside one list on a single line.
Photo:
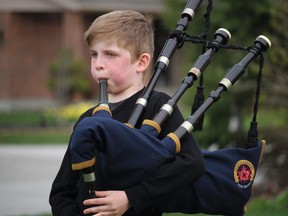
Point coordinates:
[(90, 177), (266, 39), (188, 126), (189, 11), (142, 101), (195, 71), (164, 60), (167, 108), (226, 82)]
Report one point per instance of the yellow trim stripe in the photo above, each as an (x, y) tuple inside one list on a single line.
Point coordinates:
[(262, 150), (153, 124), (99, 108), (129, 125), (174, 137), (83, 165)]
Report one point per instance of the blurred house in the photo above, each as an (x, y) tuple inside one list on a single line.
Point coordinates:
[(32, 34)]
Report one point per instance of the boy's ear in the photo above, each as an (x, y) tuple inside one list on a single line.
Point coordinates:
[(143, 62)]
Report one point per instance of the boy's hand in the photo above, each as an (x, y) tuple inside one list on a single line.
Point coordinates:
[(108, 203)]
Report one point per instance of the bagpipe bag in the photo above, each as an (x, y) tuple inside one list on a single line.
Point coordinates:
[(225, 188), (131, 153), (228, 182)]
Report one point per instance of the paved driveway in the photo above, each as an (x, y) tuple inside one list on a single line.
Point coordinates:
[(26, 174)]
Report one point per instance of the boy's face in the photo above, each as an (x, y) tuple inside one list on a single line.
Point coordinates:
[(111, 62)]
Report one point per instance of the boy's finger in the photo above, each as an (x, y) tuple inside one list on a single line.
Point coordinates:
[(101, 193)]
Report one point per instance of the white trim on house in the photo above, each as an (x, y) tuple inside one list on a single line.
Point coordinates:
[(151, 6)]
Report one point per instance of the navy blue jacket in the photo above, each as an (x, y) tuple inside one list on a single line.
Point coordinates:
[(68, 189)]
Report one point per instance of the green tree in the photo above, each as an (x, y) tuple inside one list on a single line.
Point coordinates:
[(68, 77), (275, 91)]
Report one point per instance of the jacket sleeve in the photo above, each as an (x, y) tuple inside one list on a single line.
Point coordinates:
[(65, 199), (64, 191), (173, 175)]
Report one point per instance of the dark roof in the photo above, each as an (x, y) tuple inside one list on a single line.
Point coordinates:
[(151, 6)]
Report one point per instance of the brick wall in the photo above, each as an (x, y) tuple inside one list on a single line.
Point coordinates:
[(31, 41)]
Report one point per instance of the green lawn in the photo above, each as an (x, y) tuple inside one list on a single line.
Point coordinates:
[(277, 206), (31, 127), (33, 135)]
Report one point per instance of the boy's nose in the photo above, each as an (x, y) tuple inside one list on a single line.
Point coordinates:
[(99, 65)]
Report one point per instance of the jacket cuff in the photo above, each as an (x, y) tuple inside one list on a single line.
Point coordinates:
[(139, 198)]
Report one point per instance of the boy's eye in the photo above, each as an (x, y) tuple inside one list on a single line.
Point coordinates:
[(110, 54), (93, 54)]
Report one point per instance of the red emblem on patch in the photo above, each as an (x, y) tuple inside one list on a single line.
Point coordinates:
[(244, 173)]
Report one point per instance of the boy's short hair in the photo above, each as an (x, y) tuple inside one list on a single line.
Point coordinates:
[(131, 29)]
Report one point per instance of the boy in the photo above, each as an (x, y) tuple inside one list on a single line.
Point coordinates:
[(121, 46)]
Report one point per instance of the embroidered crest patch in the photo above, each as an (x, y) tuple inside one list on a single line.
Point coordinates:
[(244, 173)]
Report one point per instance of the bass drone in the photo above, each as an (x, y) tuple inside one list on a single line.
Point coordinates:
[(163, 61), (230, 172)]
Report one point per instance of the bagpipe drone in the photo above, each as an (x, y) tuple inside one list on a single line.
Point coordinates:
[(230, 172)]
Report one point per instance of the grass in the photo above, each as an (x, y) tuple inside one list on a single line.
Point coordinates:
[(21, 118), (31, 127), (34, 135), (259, 207)]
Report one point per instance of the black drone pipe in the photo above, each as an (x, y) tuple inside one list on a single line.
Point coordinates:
[(103, 97), (89, 172), (261, 44), (221, 36), (162, 63)]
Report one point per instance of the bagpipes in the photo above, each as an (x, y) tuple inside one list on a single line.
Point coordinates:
[(230, 172)]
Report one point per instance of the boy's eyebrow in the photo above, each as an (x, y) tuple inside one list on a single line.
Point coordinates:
[(104, 50)]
